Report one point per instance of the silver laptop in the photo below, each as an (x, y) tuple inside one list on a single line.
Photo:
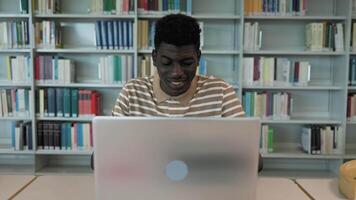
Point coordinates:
[(176, 158)]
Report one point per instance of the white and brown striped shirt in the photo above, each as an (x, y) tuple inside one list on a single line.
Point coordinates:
[(206, 97)]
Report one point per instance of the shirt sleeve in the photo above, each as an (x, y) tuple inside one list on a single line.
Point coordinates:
[(122, 104), (231, 106)]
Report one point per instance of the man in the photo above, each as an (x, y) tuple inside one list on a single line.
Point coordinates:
[(175, 90)]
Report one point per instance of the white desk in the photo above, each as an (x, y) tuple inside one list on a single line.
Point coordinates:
[(324, 189), (59, 188), (11, 184), (279, 189)]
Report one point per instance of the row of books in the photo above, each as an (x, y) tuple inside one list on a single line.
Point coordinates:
[(66, 102), (14, 34), (321, 139), (15, 102), (351, 106), (116, 68), (276, 7), (48, 34), (146, 31), (18, 69), (266, 143), (21, 136), (64, 136), (116, 34), (268, 105), (252, 36), (274, 71), (164, 6), (54, 69), (114, 7), (46, 6), (352, 71), (324, 36)]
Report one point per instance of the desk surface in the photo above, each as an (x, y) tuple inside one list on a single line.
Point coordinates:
[(11, 184), (279, 189), (59, 187), (82, 187), (325, 189)]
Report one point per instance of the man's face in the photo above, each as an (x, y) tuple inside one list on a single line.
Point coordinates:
[(176, 67)]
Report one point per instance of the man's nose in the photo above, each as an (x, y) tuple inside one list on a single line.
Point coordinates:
[(177, 69)]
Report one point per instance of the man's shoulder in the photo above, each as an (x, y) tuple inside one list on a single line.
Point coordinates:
[(211, 81), (142, 83)]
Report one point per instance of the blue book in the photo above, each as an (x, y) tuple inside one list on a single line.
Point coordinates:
[(164, 5), (152, 34), (13, 130), (110, 35), (202, 66), (130, 34), (27, 101), (74, 103), (125, 34), (17, 101), (51, 102), (66, 102), (69, 136), (116, 38), (248, 104), (98, 35), (104, 35), (120, 34), (63, 136), (189, 7)]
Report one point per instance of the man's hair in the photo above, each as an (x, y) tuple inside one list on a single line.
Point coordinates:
[(178, 30)]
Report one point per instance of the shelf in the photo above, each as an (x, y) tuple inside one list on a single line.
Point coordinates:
[(72, 170), (12, 16), (294, 174), (16, 169), (351, 88), (11, 151), (327, 88), (16, 118), (84, 50), (300, 155), (199, 17), (80, 85), (84, 16), (289, 52), (204, 52), (15, 50), (302, 121), (308, 18), (64, 152), (351, 122), (69, 119), (10, 84)]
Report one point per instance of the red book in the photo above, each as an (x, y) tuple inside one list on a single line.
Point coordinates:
[(256, 69), (93, 102), (296, 72), (145, 5), (80, 102), (349, 106), (37, 68)]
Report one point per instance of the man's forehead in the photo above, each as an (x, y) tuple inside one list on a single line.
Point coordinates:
[(171, 51)]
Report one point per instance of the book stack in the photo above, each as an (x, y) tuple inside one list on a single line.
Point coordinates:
[(272, 71), (48, 34), (252, 36), (164, 6), (47, 6), (54, 69), (114, 34), (66, 102), (18, 69), (114, 7), (275, 7), (21, 135), (116, 68), (322, 139), (14, 35), (324, 36), (64, 136), (268, 105), (15, 102)]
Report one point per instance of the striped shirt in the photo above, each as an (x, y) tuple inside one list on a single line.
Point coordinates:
[(207, 97)]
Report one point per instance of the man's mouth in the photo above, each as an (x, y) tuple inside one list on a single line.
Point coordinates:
[(176, 84)]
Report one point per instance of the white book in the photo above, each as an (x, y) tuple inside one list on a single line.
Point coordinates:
[(339, 37), (247, 69), (4, 103), (21, 101), (73, 138), (247, 36), (41, 102)]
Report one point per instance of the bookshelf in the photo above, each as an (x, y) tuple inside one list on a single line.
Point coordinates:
[(322, 102)]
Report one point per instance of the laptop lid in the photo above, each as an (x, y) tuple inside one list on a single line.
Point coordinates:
[(176, 158)]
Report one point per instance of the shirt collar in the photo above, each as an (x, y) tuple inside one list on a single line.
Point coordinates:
[(161, 96)]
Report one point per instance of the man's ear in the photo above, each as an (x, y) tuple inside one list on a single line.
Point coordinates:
[(154, 57)]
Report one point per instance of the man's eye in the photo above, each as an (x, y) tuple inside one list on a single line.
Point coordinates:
[(187, 63)]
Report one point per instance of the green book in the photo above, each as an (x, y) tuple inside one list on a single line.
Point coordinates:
[(117, 68), (270, 140), (24, 6), (66, 102)]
